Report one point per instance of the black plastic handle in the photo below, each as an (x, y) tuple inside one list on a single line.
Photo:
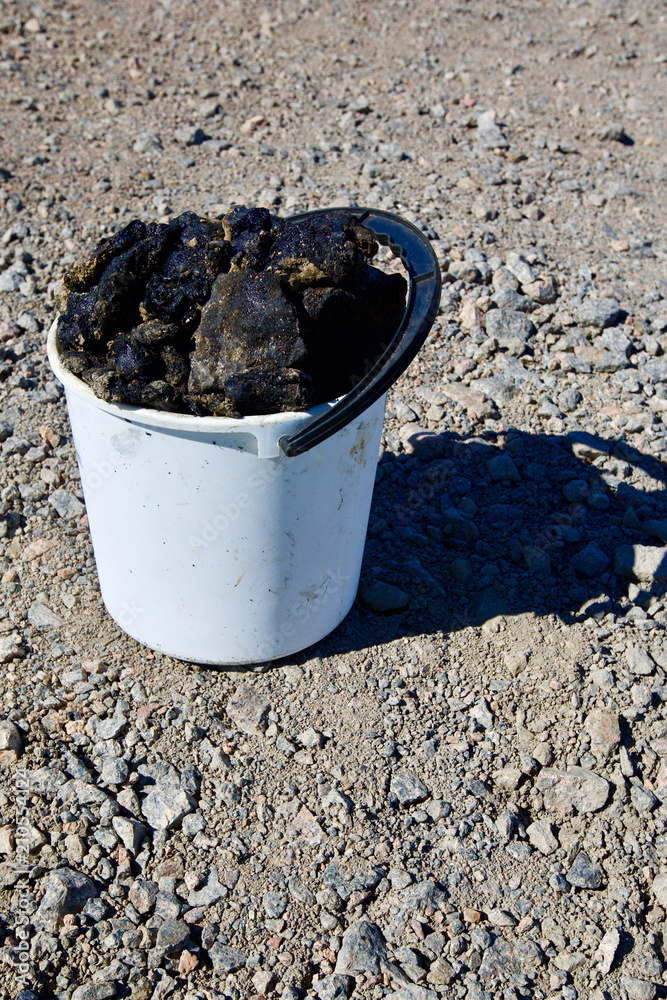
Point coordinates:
[(418, 256)]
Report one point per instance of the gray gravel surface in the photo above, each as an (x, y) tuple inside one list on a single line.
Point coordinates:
[(462, 792)]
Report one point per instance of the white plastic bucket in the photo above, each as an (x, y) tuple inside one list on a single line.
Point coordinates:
[(211, 544)]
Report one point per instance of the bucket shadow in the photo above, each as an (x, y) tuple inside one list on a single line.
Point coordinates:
[(471, 535)]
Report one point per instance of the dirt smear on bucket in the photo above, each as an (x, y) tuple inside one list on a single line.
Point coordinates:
[(244, 314)]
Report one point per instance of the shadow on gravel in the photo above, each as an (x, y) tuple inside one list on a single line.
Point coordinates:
[(535, 523)]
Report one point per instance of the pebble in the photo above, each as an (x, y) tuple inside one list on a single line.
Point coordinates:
[(639, 661), (165, 806), (541, 836), (334, 987), (606, 950), (384, 598), (602, 725), (645, 563), (94, 991), (11, 648), (132, 833), (575, 789), (67, 892), (643, 799), (591, 561), (502, 468), (110, 728), (10, 737), (659, 889), (638, 989), (67, 506), (363, 950), (413, 992), (598, 312), (225, 959), (143, 895), (43, 618), (583, 873), (172, 936), (248, 710), (489, 133), (510, 328), (407, 788), (208, 892), (114, 771)]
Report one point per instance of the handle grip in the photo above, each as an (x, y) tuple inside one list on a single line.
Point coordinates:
[(418, 257)]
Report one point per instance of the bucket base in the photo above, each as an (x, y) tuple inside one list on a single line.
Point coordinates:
[(183, 657)]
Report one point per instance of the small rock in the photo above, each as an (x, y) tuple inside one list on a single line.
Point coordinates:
[(114, 771), (11, 648), (659, 889), (423, 444), (334, 987), (489, 133), (544, 290), (363, 950), (10, 737), (131, 832), (274, 904), (172, 936), (249, 710), (225, 959), (94, 991), (606, 951), (408, 788), (639, 661), (67, 892), (43, 618), (508, 778), (517, 265), (7, 842), (384, 598), (414, 992), (645, 563), (66, 505), (193, 824), (501, 918), (165, 806), (602, 725), (583, 873), (110, 729), (508, 327), (262, 981), (613, 132), (143, 895), (575, 789), (643, 799), (502, 468), (147, 142), (638, 989), (541, 836), (591, 561), (305, 825), (209, 892), (598, 312)]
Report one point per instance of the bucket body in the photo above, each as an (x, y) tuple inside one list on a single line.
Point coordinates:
[(211, 545)]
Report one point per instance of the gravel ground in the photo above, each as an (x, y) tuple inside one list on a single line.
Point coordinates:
[(462, 792)]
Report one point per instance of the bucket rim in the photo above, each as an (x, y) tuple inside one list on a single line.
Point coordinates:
[(166, 418)]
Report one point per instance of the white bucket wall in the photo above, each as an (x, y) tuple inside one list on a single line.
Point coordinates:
[(211, 545)]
